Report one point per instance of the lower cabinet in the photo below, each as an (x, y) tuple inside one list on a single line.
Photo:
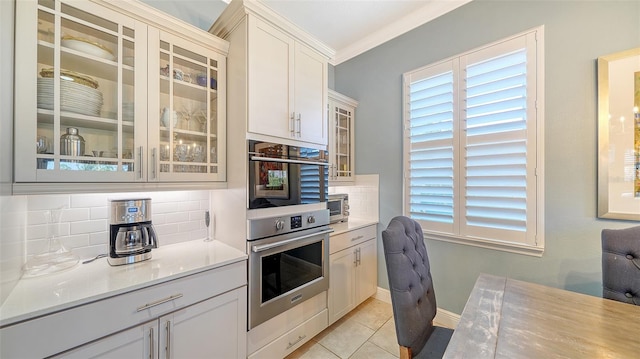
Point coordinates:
[(204, 330), (353, 270), (201, 315)]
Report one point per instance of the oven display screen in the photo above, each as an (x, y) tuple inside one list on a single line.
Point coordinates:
[(296, 222)]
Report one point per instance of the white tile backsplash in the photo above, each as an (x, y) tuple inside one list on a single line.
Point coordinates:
[(364, 196), (178, 216)]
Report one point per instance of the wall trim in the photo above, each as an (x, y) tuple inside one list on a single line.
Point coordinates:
[(443, 317)]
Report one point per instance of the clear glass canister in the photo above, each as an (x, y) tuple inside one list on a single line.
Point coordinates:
[(71, 143)]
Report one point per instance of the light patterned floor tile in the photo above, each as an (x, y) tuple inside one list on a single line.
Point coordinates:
[(317, 351), (371, 351), (372, 313), (385, 338), (346, 338)]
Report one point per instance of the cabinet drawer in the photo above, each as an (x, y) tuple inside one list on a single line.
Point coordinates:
[(351, 238), (44, 336), (294, 338)]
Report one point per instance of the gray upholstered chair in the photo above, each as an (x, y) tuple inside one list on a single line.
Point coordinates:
[(412, 295), (621, 264)]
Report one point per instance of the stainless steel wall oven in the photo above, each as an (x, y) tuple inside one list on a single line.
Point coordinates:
[(288, 262), (282, 175)]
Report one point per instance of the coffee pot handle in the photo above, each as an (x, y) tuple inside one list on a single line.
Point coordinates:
[(150, 233)]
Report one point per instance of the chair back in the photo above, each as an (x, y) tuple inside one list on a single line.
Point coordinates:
[(412, 295), (621, 264)]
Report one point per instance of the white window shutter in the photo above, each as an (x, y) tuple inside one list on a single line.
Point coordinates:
[(431, 142), (496, 161)]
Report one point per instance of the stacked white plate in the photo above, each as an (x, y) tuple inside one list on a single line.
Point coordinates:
[(74, 97)]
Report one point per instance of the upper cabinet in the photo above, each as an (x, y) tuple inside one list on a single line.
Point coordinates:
[(107, 95), (341, 137), (279, 84)]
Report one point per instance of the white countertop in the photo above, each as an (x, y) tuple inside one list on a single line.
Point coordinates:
[(351, 224), (85, 283)]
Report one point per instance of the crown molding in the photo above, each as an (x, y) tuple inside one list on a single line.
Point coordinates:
[(432, 10)]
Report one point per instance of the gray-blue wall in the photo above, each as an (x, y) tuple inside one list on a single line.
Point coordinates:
[(576, 33)]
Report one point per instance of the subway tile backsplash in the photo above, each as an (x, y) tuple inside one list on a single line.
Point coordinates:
[(363, 196), (177, 216)]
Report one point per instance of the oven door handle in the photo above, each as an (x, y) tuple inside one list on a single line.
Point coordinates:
[(284, 160), (264, 247)]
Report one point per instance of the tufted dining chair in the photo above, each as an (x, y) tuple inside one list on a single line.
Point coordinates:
[(412, 296), (621, 264)]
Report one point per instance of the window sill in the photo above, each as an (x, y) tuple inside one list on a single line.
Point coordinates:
[(534, 251)]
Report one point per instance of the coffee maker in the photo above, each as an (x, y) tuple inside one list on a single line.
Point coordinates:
[(131, 235)]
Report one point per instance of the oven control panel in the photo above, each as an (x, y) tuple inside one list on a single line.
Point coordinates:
[(265, 227), (296, 222)]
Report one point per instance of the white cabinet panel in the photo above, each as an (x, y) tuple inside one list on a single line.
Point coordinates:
[(137, 342), (269, 80), (353, 270)]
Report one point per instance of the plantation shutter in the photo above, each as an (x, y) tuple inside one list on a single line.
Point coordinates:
[(431, 141), (497, 161), (471, 146)]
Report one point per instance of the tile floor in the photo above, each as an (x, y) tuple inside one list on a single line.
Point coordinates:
[(367, 332)]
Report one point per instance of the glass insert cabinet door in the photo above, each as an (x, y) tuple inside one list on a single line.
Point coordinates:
[(341, 146), (185, 110), (77, 81)]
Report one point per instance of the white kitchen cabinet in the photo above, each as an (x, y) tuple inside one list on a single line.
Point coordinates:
[(136, 342), (204, 330), (109, 70), (341, 137), (198, 315), (352, 269), (279, 74)]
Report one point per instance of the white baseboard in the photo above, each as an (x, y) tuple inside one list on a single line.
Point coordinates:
[(443, 317)]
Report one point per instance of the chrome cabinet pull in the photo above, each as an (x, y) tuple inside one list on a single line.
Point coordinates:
[(168, 346), (355, 257), (359, 256), (151, 343), (293, 124), (140, 162), (300, 337), (158, 302), (153, 163), (356, 238), (299, 121)]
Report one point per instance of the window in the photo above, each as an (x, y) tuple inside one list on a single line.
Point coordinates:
[(473, 146)]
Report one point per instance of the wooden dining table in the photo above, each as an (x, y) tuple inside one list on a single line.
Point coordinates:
[(508, 318)]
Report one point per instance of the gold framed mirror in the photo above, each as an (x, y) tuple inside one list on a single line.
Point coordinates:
[(619, 135)]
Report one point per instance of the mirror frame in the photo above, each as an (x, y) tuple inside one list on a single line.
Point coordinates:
[(617, 197)]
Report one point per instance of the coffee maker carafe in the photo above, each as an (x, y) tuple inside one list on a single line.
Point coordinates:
[(131, 234)]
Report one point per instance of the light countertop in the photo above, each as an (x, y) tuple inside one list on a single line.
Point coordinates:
[(351, 224), (85, 283)]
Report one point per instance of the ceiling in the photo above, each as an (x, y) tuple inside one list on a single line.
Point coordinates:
[(350, 27)]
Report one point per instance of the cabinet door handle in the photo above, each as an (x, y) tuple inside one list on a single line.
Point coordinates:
[(140, 162), (153, 163), (168, 346), (158, 302), (299, 121), (293, 124), (151, 353), (300, 337), (355, 257)]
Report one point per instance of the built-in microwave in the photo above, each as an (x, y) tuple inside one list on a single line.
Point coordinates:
[(338, 206), (283, 175)]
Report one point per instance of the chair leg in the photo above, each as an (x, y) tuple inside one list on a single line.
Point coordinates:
[(405, 352)]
